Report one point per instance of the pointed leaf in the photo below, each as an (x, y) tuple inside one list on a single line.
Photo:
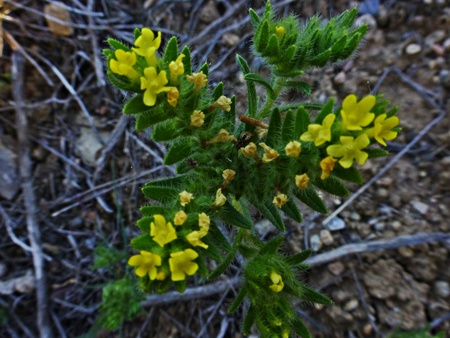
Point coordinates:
[(217, 237), (251, 89), (274, 132), (144, 223), (270, 211), (376, 152), (288, 128), (291, 210), (351, 174), (122, 82), (150, 118), (289, 54), (180, 150), (160, 194), (166, 131), (230, 215), (262, 38), (326, 110), (311, 295), (311, 199), (337, 47), (332, 185), (298, 258), (171, 51), (300, 328), (271, 247), (249, 320), (170, 182), (254, 17), (223, 266), (259, 79), (135, 105), (301, 86), (118, 45), (273, 48), (218, 91), (302, 122), (238, 300), (150, 210), (204, 68), (187, 60), (180, 286), (321, 59)]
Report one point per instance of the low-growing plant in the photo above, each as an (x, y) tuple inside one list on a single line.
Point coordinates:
[(271, 158)]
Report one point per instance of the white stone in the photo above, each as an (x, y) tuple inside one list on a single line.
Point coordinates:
[(315, 243), (326, 237), (336, 224)]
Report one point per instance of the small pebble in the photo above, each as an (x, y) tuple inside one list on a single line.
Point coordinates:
[(336, 224), (336, 268), (351, 305), (396, 225), (367, 329), (421, 207), (379, 227), (406, 252), (442, 288), (326, 237), (340, 78), (315, 242), (413, 49), (354, 216)]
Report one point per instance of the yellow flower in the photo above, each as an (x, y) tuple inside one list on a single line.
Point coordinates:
[(124, 63), (327, 166), (153, 84), (223, 103), (277, 281), (176, 67), (357, 114), (280, 31), (302, 181), (293, 149), (280, 199), (249, 150), (147, 45), (172, 96), (195, 239), (203, 222), (228, 175), (319, 134), (269, 153), (180, 218), (220, 198), (261, 132), (197, 118), (146, 263), (185, 198), (162, 232), (161, 275), (382, 129), (181, 264), (222, 136), (350, 149), (198, 79)]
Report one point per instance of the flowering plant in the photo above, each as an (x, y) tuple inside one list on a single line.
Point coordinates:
[(275, 157)]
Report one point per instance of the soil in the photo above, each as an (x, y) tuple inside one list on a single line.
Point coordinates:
[(88, 164)]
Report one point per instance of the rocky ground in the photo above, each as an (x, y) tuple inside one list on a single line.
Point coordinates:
[(87, 164)]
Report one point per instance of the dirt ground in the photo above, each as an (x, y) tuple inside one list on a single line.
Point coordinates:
[(80, 163)]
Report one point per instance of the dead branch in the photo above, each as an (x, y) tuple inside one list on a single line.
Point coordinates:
[(26, 175)]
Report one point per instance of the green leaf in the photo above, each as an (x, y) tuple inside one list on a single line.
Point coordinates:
[(270, 211), (230, 215), (311, 295), (273, 48), (302, 122), (249, 320), (204, 68), (118, 45), (274, 132), (298, 258), (301, 86), (259, 79), (376, 152), (151, 117), (150, 210), (108, 53), (121, 82), (326, 110), (332, 185), (351, 174), (187, 60), (218, 91), (170, 182), (222, 267), (288, 128), (160, 194), (144, 223), (211, 253), (251, 89), (311, 199), (180, 150), (289, 54), (291, 209), (143, 242), (180, 286), (321, 59), (254, 17), (261, 37), (171, 51), (300, 328), (137, 33), (238, 300), (271, 246), (166, 131), (337, 48), (218, 238), (135, 105), (268, 10), (346, 18)]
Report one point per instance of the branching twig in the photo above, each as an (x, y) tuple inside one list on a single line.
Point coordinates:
[(26, 174)]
